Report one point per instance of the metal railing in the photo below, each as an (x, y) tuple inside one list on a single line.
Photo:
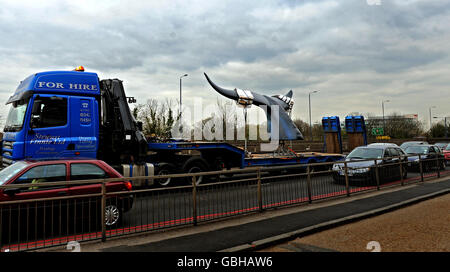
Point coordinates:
[(52, 220)]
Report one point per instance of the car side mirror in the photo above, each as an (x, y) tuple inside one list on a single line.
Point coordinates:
[(11, 191)]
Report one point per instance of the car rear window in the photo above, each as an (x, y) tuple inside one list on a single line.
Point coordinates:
[(79, 171)]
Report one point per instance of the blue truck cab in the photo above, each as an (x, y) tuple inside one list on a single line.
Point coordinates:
[(53, 114)]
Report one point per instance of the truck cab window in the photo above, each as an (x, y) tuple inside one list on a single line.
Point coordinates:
[(49, 112)]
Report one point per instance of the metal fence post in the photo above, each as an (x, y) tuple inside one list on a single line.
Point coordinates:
[(347, 187), (377, 175), (401, 170), (260, 204), (438, 167), (421, 169), (103, 215), (194, 200), (308, 181)]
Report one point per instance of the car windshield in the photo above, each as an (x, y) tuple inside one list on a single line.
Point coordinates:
[(405, 145), (366, 153), (447, 148), (441, 145), (417, 149), (10, 171), (16, 115)]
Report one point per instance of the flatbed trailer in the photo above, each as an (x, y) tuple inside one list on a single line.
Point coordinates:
[(230, 156)]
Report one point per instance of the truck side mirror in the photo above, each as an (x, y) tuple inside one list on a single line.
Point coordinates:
[(34, 123), (36, 107), (139, 126)]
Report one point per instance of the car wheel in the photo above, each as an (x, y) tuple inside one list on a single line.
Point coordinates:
[(113, 215)]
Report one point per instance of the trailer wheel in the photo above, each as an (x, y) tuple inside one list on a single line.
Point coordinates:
[(195, 165), (165, 169)]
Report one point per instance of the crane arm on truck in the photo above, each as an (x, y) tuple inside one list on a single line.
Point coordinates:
[(121, 137)]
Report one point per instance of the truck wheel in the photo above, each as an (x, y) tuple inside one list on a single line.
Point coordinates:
[(165, 169), (195, 165)]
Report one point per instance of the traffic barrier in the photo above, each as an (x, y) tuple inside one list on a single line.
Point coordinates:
[(40, 223)]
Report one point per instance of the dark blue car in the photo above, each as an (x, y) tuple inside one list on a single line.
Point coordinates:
[(431, 157), (361, 165)]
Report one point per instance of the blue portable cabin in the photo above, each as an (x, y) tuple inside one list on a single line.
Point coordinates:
[(332, 125), (356, 124)]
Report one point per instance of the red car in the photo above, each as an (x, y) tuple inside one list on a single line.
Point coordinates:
[(447, 154), (65, 209)]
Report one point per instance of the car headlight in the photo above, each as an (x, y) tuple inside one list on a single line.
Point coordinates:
[(336, 167), (361, 170)]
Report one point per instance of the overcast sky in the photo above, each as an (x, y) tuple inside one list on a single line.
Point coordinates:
[(356, 53)]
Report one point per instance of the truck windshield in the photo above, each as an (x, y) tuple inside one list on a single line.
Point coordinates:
[(366, 153), (10, 171), (16, 115)]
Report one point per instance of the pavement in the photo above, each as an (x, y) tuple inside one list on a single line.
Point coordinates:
[(261, 230), (421, 227)]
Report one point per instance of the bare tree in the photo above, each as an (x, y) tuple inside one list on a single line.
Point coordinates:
[(157, 117)]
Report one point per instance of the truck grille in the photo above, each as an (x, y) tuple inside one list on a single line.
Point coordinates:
[(8, 153), (8, 144), (6, 162)]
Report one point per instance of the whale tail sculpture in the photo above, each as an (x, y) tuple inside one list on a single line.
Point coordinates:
[(282, 103)]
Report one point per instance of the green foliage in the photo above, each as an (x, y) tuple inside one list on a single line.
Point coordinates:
[(437, 130), (396, 126)]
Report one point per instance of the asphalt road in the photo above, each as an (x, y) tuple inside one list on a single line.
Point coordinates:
[(171, 207)]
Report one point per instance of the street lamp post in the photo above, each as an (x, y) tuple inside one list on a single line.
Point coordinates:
[(430, 116), (382, 107), (181, 104), (310, 123)]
